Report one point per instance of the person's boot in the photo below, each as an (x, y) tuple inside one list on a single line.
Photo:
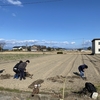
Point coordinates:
[(20, 78), (84, 78), (24, 78)]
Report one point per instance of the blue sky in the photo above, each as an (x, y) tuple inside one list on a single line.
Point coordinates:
[(62, 23)]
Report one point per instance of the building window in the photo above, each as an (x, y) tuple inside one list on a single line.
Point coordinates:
[(99, 50), (98, 43)]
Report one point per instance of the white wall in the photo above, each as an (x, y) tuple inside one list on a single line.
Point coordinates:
[(95, 47)]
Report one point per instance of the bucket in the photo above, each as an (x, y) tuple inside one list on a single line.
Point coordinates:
[(94, 95)]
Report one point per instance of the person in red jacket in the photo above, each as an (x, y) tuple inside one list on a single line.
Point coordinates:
[(22, 69)]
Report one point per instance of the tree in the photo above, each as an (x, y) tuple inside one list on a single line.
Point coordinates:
[(89, 48), (49, 48), (29, 48), (2, 44)]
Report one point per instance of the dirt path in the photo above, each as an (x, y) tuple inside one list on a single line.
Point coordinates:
[(54, 66)]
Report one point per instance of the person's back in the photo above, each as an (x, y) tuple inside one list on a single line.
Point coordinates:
[(22, 68), (22, 65), (81, 67), (16, 69)]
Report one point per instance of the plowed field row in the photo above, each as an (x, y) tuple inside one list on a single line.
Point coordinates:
[(51, 66)]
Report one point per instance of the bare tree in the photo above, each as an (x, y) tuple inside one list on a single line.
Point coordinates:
[(2, 44)]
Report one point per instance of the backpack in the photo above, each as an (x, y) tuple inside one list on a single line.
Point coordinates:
[(90, 87)]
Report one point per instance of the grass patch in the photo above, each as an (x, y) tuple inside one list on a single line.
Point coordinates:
[(14, 57), (66, 91), (9, 90), (98, 88), (12, 90)]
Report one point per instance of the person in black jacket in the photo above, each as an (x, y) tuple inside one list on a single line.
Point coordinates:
[(22, 69), (16, 70), (81, 69)]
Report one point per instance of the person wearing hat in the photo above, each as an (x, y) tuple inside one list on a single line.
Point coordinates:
[(22, 68), (81, 69)]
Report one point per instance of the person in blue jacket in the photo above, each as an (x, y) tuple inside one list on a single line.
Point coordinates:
[(81, 69)]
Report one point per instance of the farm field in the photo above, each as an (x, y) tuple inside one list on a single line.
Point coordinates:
[(57, 72)]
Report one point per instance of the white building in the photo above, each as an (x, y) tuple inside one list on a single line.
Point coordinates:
[(96, 46), (17, 48)]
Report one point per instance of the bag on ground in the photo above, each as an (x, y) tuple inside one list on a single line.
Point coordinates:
[(91, 89)]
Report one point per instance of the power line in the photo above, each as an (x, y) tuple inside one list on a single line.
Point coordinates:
[(41, 2), (30, 3)]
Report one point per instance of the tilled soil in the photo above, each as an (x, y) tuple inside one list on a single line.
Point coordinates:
[(57, 71), (4, 95), (27, 96)]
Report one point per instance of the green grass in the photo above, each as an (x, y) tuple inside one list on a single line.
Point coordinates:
[(98, 88), (10, 90), (14, 57), (13, 90)]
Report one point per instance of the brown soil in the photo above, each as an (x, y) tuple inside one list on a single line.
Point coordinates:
[(57, 72)]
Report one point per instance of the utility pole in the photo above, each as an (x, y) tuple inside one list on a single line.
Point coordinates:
[(26, 46), (83, 43)]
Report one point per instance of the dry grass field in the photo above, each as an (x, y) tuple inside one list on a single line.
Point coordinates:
[(56, 70)]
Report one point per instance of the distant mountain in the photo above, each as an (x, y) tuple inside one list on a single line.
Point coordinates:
[(55, 47)]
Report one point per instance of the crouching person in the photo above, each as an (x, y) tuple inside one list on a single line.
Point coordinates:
[(16, 70), (81, 69), (36, 89), (22, 69)]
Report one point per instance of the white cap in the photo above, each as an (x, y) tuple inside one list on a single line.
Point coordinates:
[(35, 85)]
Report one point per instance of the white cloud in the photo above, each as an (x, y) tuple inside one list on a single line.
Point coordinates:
[(15, 2), (63, 44), (72, 42), (2, 39), (87, 43)]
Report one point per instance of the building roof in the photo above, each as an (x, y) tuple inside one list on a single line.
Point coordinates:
[(95, 39), (17, 46)]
